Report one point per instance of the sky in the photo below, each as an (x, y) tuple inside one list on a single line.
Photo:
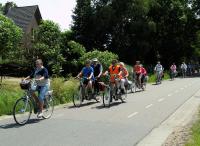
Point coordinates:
[(59, 11)]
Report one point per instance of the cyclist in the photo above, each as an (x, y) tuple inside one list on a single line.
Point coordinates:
[(124, 74), (184, 69), (138, 72), (159, 71), (173, 70), (115, 74), (87, 73), (144, 74), (41, 76), (97, 67)]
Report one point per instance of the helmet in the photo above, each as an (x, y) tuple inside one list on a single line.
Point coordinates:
[(95, 60)]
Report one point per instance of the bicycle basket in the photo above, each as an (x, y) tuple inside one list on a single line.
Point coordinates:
[(25, 85)]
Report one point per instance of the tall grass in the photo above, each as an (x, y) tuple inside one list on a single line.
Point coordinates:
[(195, 134), (63, 90), (9, 93)]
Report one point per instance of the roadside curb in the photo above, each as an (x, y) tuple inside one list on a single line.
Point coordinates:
[(181, 117)]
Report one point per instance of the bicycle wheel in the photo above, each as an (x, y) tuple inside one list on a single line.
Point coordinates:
[(123, 96), (48, 107), (22, 111), (78, 97), (107, 97)]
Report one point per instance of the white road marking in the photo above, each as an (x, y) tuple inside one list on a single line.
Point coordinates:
[(169, 95), (176, 91), (148, 106), (161, 99), (133, 114)]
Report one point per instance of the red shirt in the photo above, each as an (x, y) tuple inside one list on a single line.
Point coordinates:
[(144, 72)]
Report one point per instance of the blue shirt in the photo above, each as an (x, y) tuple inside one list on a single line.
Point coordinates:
[(87, 72)]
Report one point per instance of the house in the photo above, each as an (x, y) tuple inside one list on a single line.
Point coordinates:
[(28, 18)]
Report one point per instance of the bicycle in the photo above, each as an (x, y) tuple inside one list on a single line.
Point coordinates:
[(112, 92), (138, 85), (24, 106), (159, 77), (83, 94)]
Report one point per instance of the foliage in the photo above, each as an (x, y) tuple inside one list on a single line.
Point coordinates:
[(63, 90), (48, 45), (9, 93), (105, 57), (10, 36), (138, 29)]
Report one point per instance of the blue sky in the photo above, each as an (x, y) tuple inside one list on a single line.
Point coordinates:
[(59, 11)]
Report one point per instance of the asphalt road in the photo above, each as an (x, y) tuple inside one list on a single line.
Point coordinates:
[(92, 125)]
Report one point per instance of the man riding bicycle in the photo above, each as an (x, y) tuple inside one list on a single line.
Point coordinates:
[(159, 71), (138, 73), (87, 73), (97, 67), (115, 74), (124, 74), (42, 84)]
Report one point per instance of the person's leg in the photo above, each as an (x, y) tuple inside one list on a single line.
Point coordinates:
[(42, 92), (122, 84), (140, 80)]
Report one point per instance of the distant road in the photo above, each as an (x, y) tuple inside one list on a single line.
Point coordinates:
[(92, 125)]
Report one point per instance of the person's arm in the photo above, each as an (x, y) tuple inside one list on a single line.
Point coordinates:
[(101, 70), (91, 74), (30, 76), (80, 74)]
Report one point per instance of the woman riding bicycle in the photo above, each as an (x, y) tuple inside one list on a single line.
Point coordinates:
[(42, 83)]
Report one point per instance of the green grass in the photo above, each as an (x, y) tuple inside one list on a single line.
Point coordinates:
[(9, 93), (195, 135), (152, 77)]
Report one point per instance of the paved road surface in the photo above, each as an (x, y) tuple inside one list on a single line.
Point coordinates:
[(92, 125)]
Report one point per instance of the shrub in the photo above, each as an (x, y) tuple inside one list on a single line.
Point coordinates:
[(63, 90), (104, 57)]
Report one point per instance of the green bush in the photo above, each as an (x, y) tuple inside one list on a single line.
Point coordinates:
[(104, 57), (63, 90)]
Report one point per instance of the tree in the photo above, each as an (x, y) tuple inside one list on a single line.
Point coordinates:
[(10, 37), (82, 22), (47, 45)]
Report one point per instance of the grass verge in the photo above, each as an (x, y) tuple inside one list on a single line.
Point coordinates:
[(195, 134), (10, 91)]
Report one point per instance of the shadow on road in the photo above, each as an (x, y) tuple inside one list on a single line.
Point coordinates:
[(111, 105), (83, 104), (14, 125)]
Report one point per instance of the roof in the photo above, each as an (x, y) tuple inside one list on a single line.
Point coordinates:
[(22, 16)]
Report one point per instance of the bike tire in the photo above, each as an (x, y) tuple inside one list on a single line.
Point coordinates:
[(107, 98), (123, 97), (17, 115), (77, 98), (48, 106)]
